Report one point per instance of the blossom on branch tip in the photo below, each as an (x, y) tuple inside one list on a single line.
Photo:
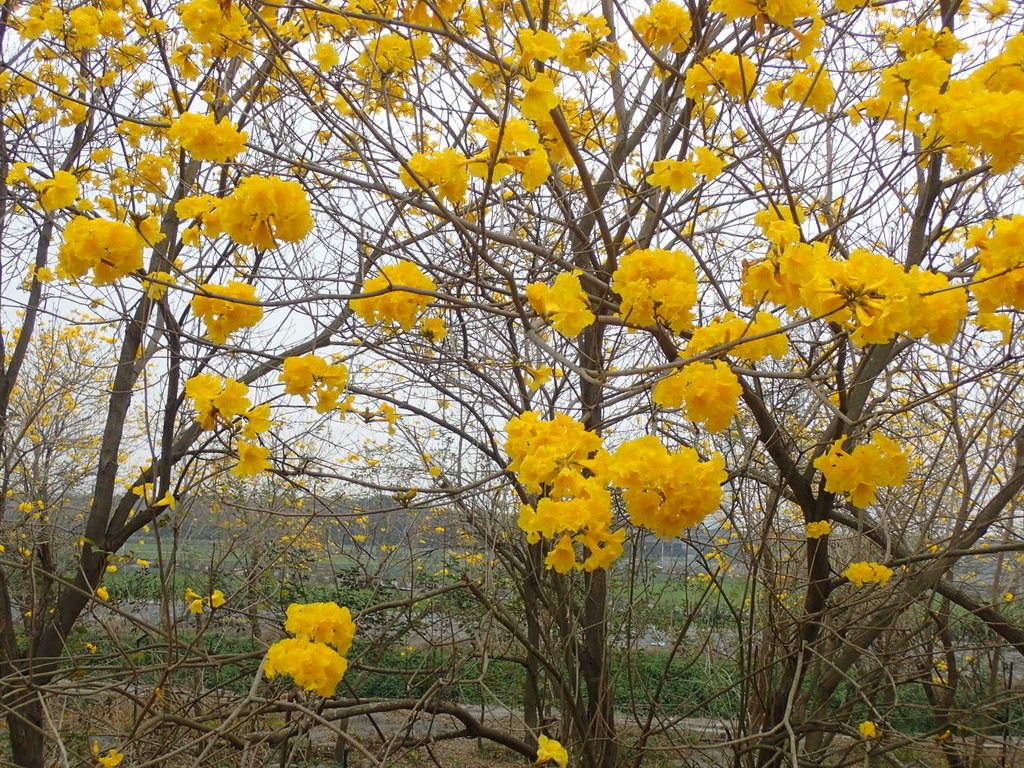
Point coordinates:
[(394, 305), (551, 751), (863, 573), (564, 303)]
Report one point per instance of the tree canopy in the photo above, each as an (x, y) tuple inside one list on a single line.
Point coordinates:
[(564, 283)]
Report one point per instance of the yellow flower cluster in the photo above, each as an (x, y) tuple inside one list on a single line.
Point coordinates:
[(41, 18), (679, 175), (84, 25), (551, 751), (567, 464), (260, 211), (308, 374), (221, 27), (818, 529), (811, 86), (868, 293), (868, 729), (782, 12), (206, 139), (999, 281), (315, 657), (221, 308), (729, 331), (327, 623), (393, 305), (563, 303), (735, 75), (386, 67), (666, 491), (512, 147), (197, 603), (666, 24), (590, 41), (709, 393), (914, 83), (111, 249), (657, 286), (59, 192), (219, 400), (553, 456), (977, 113), (860, 472), (983, 111), (863, 573), (447, 170)]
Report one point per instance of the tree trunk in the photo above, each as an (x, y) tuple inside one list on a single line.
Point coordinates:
[(25, 725), (600, 696)]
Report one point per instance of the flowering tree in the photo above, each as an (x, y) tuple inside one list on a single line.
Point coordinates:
[(593, 274)]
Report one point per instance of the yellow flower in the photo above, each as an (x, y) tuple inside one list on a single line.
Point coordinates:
[(736, 75), (196, 606), (868, 729), (864, 573), (216, 399), (216, 598), (223, 29), (657, 286), (729, 330), (314, 666), (261, 211), (665, 24), (59, 192), (252, 459), (563, 303), (433, 329), (304, 375), (552, 453), (539, 98), (562, 557), (676, 175), (708, 393), (326, 56), (110, 249), (19, 172), (860, 472), (818, 529), (206, 139), (214, 305), (328, 623), (156, 283), (448, 170), (109, 758), (167, 500), (666, 491), (549, 750), (540, 45), (102, 594), (394, 305)]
